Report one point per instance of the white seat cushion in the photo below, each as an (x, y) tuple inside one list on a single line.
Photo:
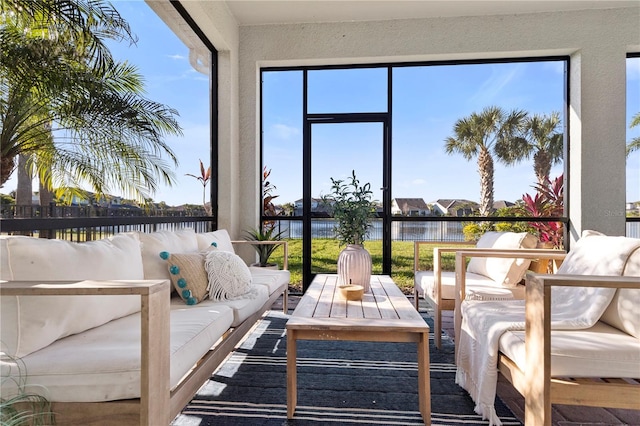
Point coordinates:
[(478, 287), (271, 278), (103, 364), (242, 308), (600, 351)]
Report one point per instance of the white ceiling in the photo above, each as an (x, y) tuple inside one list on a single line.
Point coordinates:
[(260, 12)]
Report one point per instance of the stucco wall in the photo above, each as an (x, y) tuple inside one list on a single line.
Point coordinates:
[(596, 40)]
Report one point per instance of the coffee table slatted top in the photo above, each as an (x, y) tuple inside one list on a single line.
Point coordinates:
[(383, 308)]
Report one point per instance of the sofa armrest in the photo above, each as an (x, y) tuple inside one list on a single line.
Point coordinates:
[(538, 334), (154, 303), (285, 262)]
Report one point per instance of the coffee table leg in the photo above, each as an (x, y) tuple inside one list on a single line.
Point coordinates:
[(292, 391), (424, 384)]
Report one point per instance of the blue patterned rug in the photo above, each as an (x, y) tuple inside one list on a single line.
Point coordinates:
[(338, 383)]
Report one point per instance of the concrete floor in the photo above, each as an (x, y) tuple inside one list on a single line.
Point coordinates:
[(563, 415)]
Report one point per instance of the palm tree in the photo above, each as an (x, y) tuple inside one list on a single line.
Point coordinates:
[(542, 137), (478, 135), (81, 116), (634, 144)]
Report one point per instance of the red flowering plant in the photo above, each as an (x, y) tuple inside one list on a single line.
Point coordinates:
[(547, 202)]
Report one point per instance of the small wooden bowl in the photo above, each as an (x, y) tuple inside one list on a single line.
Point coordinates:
[(352, 292)]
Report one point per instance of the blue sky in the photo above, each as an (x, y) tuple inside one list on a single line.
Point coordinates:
[(427, 102)]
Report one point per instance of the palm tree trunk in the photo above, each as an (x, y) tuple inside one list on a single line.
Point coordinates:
[(24, 190), (542, 166), (485, 168), (7, 165)]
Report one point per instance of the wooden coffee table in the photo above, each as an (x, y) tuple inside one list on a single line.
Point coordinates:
[(383, 315)]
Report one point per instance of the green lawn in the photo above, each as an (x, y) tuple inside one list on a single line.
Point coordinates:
[(325, 256)]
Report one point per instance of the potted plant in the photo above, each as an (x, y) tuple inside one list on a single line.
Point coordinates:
[(22, 407), (352, 209), (266, 233)]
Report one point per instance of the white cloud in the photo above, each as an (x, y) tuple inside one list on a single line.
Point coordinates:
[(418, 182), (492, 87), (177, 57)]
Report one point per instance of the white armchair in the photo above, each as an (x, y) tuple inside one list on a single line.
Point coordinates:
[(574, 340), (486, 277)]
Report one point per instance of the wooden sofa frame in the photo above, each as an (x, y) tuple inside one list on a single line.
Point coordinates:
[(157, 405)]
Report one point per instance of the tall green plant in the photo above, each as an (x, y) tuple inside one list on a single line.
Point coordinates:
[(80, 116), (267, 233), (205, 176), (541, 138), (352, 208)]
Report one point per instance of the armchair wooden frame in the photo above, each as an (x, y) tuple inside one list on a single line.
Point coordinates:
[(538, 387), (440, 304), (542, 255), (437, 303)]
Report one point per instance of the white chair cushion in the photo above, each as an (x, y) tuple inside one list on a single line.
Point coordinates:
[(593, 254), (623, 311), (478, 287), (600, 351), (180, 241), (505, 271), (29, 323), (220, 237)]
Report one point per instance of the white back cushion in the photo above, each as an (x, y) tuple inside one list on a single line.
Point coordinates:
[(623, 312), (508, 272), (220, 237), (593, 254), (5, 271), (180, 241), (28, 323)]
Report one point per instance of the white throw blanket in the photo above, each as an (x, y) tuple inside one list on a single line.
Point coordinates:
[(483, 323)]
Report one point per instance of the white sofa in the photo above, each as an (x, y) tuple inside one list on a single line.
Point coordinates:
[(117, 349), (575, 339)]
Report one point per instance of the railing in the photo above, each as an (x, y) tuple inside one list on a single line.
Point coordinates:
[(91, 223), (633, 227), (442, 229)]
